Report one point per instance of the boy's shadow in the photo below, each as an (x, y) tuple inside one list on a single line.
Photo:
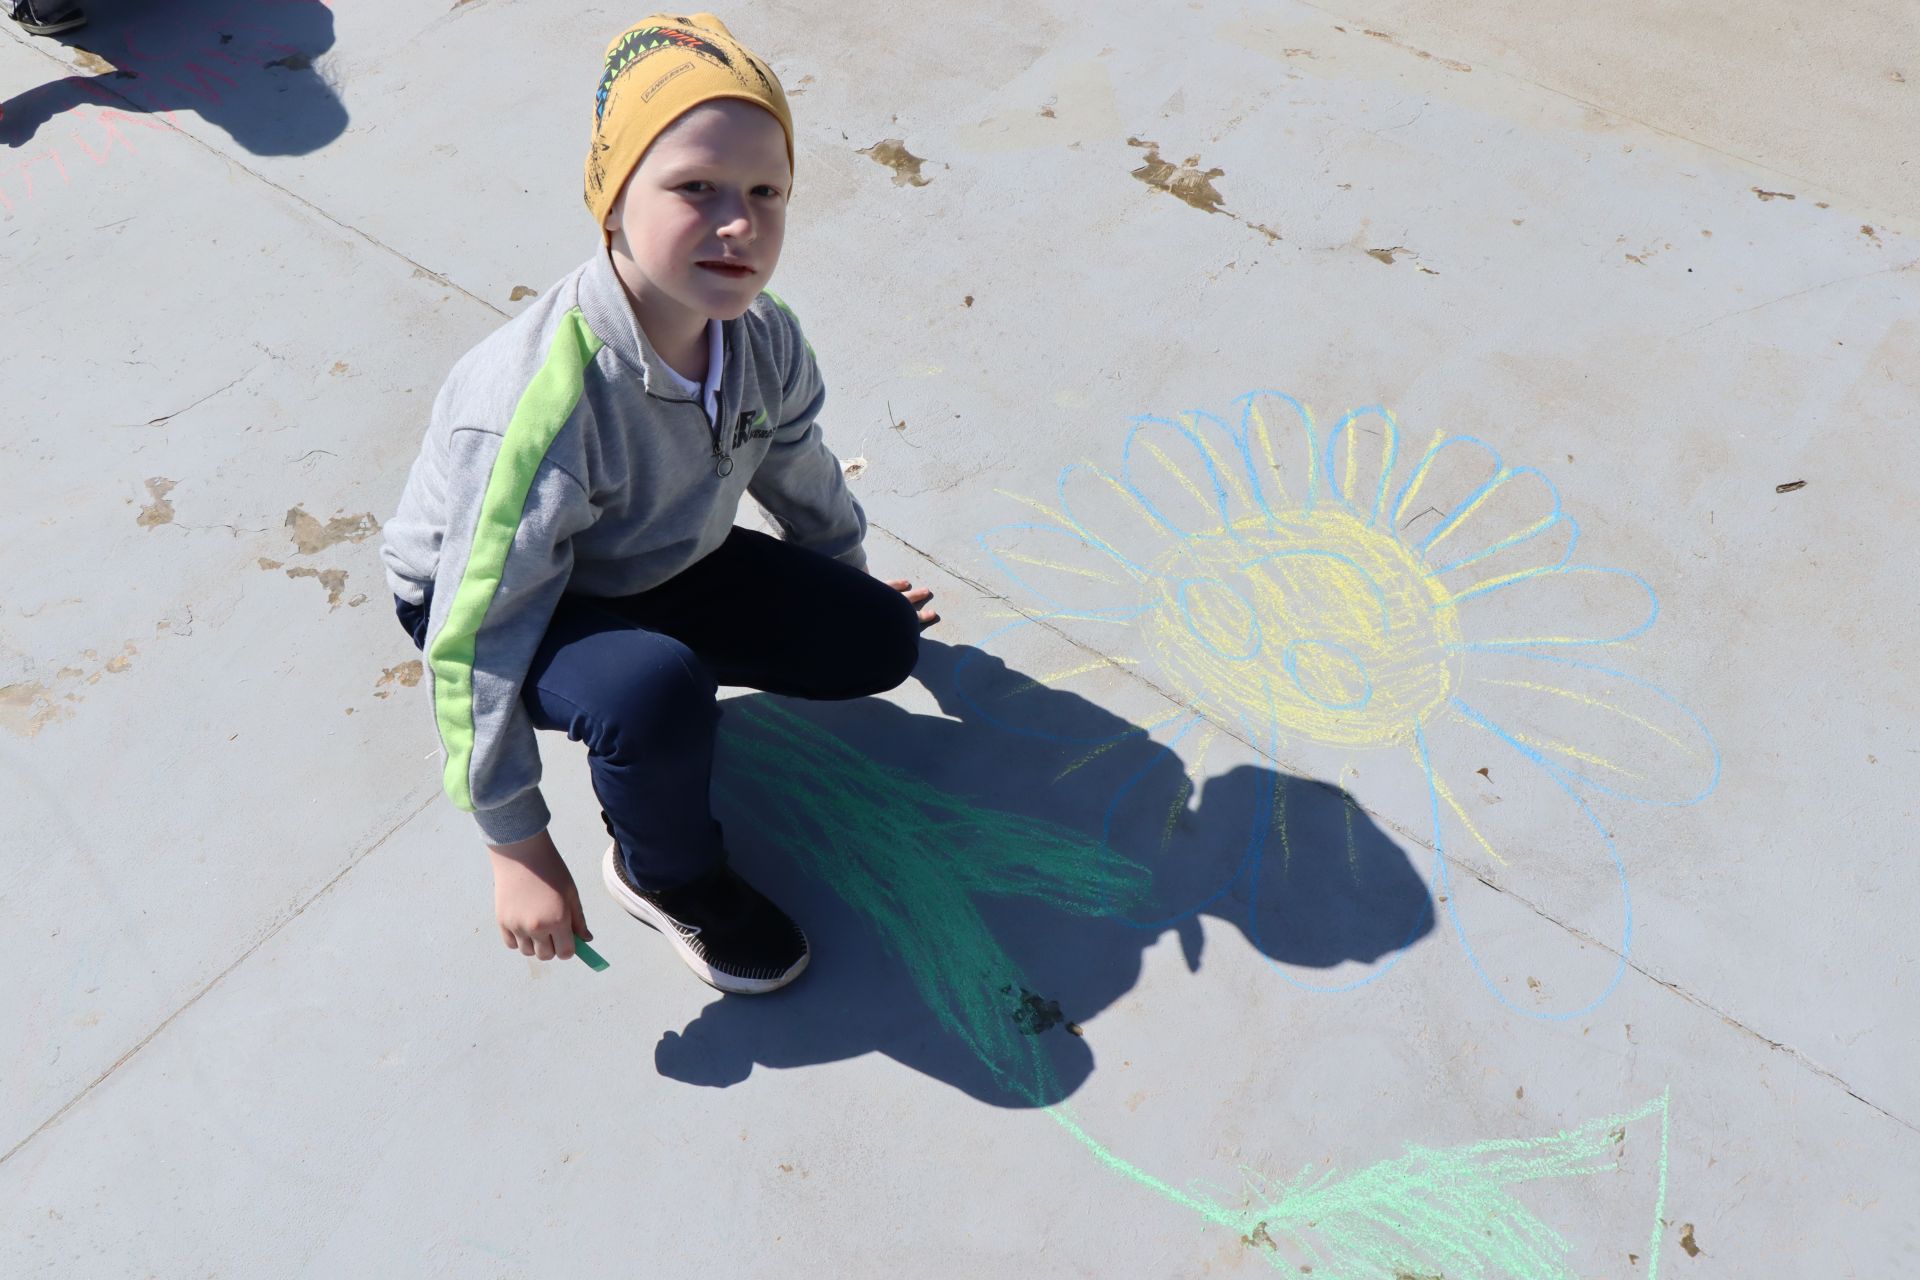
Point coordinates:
[(246, 67), (968, 957)]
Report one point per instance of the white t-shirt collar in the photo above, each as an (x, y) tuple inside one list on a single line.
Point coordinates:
[(716, 362)]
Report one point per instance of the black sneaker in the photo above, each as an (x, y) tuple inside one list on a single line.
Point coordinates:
[(725, 930), (47, 17)]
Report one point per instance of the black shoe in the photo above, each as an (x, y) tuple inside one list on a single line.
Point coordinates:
[(47, 17), (725, 930)]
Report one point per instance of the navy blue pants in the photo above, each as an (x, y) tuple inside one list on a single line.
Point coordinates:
[(634, 678)]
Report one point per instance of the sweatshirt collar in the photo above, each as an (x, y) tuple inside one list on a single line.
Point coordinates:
[(609, 314)]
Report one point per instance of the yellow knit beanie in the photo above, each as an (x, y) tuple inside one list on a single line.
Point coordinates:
[(657, 71)]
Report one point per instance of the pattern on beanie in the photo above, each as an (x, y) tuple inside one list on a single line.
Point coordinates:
[(641, 41)]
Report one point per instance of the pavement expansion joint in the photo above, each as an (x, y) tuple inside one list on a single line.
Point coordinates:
[(433, 794)]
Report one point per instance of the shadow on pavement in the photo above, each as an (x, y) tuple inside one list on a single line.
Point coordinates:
[(246, 67), (967, 900)]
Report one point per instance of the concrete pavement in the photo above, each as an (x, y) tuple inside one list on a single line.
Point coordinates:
[(1459, 838)]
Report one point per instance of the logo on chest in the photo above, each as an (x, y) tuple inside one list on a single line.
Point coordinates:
[(752, 425)]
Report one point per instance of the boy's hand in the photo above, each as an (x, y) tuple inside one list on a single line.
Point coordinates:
[(918, 599), (535, 899)]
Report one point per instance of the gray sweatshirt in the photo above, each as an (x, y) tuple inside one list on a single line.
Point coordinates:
[(559, 459)]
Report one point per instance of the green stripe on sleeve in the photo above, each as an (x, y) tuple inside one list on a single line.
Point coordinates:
[(543, 410), (781, 303)]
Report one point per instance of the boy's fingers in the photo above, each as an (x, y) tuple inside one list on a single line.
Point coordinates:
[(506, 935), (577, 917), (563, 944), (543, 947)]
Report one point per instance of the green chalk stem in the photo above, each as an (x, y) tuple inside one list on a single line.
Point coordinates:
[(593, 958), (913, 860)]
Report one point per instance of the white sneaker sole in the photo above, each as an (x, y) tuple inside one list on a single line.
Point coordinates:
[(651, 916), (52, 28)]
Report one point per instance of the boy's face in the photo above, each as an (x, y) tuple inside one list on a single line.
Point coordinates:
[(698, 226)]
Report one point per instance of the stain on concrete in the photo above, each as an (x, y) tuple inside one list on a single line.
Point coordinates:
[(339, 367), (310, 536), (1185, 181), (893, 153), (1868, 232), (159, 511), (26, 709), (522, 291), (265, 563), (1449, 63), (293, 62), (1687, 1241), (1258, 1238), (407, 675), (1774, 195), (1034, 1014), (334, 580), (1389, 255), (1047, 112), (87, 60)]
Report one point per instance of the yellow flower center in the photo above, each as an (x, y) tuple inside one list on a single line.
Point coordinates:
[(1323, 626)]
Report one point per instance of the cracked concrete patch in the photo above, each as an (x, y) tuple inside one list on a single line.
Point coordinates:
[(407, 675), (334, 580), (1185, 181), (310, 536), (159, 511), (893, 153)]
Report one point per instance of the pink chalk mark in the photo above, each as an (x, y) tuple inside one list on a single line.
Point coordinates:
[(105, 118), (25, 170)]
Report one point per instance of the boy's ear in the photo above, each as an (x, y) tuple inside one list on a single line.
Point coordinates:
[(617, 207)]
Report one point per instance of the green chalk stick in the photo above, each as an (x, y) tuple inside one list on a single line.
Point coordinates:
[(593, 958)]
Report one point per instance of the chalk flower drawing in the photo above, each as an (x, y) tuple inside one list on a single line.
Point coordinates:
[(1332, 590)]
